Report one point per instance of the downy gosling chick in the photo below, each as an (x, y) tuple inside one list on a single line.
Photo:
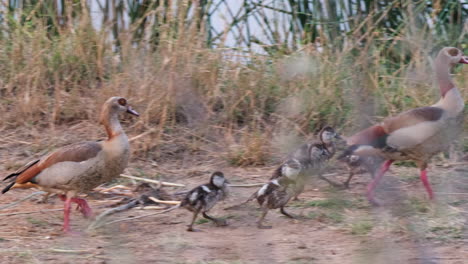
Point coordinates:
[(277, 193), (204, 197), (312, 158), (357, 163)]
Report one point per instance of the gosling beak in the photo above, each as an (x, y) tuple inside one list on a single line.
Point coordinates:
[(131, 111)]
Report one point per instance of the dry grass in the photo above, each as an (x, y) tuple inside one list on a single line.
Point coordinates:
[(194, 96)]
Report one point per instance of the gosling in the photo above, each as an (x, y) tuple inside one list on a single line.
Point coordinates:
[(204, 197)]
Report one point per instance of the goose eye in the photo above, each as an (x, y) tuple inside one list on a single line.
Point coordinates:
[(122, 102), (453, 52)]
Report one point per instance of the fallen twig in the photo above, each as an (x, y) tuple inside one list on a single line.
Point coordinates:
[(446, 165), (162, 201), (31, 212), (247, 185), (114, 210), (73, 251), (152, 181), (114, 187), (142, 134), (21, 200), (151, 207), (141, 216)]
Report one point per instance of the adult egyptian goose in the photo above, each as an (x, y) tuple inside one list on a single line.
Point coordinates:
[(419, 133), (204, 197), (80, 167), (309, 159)]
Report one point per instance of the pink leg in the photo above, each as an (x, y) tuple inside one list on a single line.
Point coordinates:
[(66, 215), (426, 183), (376, 180), (83, 206)]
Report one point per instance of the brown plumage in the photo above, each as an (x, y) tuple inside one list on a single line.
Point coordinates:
[(80, 167), (416, 134)]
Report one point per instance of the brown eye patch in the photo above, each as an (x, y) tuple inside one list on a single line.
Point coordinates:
[(122, 102), (453, 52)]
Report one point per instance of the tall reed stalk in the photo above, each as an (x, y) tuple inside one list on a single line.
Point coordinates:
[(343, 63)]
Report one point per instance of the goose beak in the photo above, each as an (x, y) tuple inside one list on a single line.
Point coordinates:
[(464, 60), (337, 136), (131, 111)]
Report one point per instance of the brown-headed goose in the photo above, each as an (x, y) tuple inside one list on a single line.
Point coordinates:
[(80, 167), (311, 158), (204, 197), (419, 133)]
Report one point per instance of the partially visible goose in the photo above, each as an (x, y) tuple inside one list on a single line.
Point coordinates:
[(309, 159), (357, 163), (416, 134), (80, 167)]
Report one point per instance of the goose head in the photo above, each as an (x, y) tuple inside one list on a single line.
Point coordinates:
[(447, 58), (114, 106), (217, 179), (450, 56), (328, 135)]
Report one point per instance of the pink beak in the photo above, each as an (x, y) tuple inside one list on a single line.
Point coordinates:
[(464, 60)]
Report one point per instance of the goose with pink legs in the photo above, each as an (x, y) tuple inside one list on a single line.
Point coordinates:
[(417, 134), (80, 167)]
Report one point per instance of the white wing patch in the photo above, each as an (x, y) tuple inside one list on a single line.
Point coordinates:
[(193, 197), (353, 158), (291, 171), (408, 137), (63, 172), (275, 182), (206, 189), (262, 190)]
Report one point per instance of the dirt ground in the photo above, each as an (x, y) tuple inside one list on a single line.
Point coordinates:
[(339, 227), (332, 226)]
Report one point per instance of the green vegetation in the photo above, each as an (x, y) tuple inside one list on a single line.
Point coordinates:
[(201, 221), (331, 203), (361, 228), (37, 222), (331, 210), (326, 216)]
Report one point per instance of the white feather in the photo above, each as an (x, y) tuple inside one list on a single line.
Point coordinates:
[(193, 197), (206, 189), (262, 190), (289, 171), (275, 182), (414, 135)]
